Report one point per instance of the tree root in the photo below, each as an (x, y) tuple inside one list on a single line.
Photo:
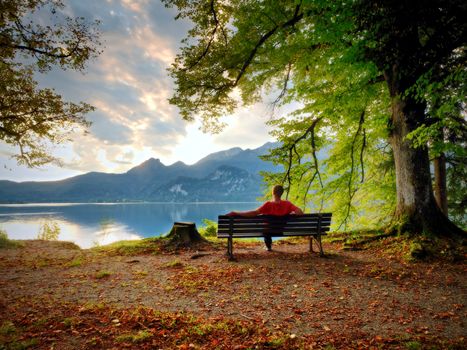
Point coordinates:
[(359, 243)]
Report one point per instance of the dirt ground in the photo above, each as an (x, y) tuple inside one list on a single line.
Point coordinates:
[(55, 296)]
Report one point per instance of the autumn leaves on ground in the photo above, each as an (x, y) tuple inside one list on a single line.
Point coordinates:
[(138, 295)]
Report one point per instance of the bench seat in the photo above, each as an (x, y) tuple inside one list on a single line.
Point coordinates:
[(313, 225)]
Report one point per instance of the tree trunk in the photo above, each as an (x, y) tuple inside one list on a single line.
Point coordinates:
[(416, 210), (441, 196), (184, 234)]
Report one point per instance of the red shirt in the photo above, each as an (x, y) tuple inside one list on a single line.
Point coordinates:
[(277, 208)]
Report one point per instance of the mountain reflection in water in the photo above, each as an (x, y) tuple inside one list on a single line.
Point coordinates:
[(89, 224)]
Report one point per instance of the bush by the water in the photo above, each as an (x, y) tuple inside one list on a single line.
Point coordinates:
[(5, 242), (49, 231), (210, 228)]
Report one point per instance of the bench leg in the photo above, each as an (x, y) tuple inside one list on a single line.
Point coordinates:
[(311, 244), (318, 239), (230, 248)]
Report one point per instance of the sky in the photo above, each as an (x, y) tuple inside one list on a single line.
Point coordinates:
[(129, 86)]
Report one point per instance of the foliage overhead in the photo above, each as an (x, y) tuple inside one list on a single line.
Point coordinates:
[(342, 63), (32, 118)]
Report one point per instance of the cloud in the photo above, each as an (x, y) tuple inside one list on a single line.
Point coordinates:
[(129, 85), (120, 133), (136, 6)]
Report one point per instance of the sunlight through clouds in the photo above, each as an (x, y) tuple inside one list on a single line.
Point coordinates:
[(130, 87), (134, 5)]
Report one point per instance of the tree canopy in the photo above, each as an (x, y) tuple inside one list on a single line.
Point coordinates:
[(32, 118), (379, 84)]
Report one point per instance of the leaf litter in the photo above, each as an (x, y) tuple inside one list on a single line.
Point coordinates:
[(285, 299)]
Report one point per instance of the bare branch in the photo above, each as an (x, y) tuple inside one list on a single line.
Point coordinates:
[(292, 148), (290, 23), (361, 155), (351, 191), (211, 39), (284, 85)]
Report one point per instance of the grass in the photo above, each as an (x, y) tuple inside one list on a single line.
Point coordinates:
[(138, 337), (413, 345), (140, 273), (75, 263), (174, 263), (24, 344), (92, 306), (9, 335), (7, 328), (103, 274), (69, 322), (67, 245), (129, 248), (5, 242)]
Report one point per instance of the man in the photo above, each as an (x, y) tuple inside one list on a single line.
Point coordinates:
[(276, 207)]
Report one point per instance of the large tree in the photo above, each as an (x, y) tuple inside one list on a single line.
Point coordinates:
[(364, 73), (36, 35)]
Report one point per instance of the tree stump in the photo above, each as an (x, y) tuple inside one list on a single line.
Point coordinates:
[(184, 234)]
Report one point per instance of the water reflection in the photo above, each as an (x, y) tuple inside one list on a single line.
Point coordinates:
[(91, 224)]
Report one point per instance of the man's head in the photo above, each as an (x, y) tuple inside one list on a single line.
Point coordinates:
[(277, 190)]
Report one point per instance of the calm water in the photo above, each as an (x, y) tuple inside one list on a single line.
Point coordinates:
[(92, 224)]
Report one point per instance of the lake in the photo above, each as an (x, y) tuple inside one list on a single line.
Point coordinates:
[(90, 224)]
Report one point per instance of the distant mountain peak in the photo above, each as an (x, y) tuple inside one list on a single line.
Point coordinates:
[(152, 161), (148, 165), (178, 164), (232, 152)]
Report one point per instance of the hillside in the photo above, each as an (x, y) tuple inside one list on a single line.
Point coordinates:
[(230, 175)]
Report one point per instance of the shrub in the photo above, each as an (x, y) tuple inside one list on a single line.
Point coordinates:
[(49, 231), (5, 242), (210, 228)]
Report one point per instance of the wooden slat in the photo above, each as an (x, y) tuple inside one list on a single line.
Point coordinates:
[(304, 230), (225, 218), (272, 216), (273, 222), (243, 227), (261, 235), (265, 225), (225, 222), (271, 229)]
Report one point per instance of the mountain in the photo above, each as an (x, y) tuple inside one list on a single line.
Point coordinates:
[(225, 184), (230, 175)]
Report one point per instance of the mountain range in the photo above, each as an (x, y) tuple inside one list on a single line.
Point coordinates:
[(228, 176)]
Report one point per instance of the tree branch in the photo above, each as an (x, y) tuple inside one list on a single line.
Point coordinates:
[(284, 85), (292, 148), (352, 165), (211, 39), (290, 23)]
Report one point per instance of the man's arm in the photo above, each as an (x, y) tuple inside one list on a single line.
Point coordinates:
[(298, 211), (249, 213), (295, 210)]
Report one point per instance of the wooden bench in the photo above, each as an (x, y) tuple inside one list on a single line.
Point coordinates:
[(313, 225)]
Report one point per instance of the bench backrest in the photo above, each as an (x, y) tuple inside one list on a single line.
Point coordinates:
[(275, 226)]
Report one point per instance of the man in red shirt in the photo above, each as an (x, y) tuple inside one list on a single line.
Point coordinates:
[(276, 207)]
